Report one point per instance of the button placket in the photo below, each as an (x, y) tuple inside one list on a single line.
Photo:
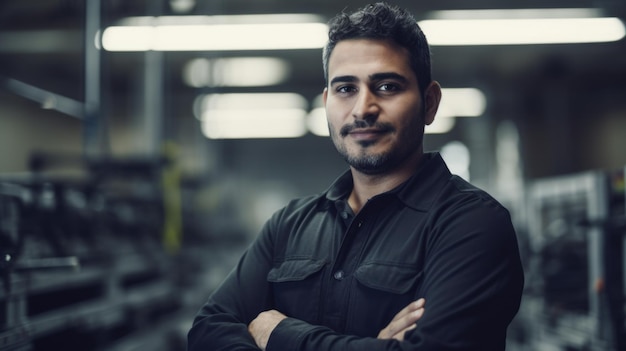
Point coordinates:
[(339, 275)]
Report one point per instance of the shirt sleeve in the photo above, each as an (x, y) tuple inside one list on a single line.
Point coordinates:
[(222, 323), (472, 284), (473, 278)]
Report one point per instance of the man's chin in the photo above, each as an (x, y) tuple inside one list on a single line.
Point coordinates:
[(370, 165), (371, 171)]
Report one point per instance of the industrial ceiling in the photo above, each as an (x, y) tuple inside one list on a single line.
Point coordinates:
[(42, 44)]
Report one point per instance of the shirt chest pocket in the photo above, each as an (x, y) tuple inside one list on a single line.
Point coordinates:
[(296, 285), (390, 278), (381, 291)]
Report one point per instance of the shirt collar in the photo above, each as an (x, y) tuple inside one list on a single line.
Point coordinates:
[(421, 189), (341, 187), (418, 192)]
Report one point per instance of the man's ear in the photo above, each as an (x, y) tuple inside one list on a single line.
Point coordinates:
[(432, 98), (325, 96)]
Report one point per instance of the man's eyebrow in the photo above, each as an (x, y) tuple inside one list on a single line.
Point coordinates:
[(388, 75), (374, 78), (343, 79)]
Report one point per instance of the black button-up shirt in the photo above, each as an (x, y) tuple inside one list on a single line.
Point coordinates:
[(341, 278)]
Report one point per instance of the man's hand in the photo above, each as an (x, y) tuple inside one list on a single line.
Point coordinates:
[(403, 321), (263, 325)]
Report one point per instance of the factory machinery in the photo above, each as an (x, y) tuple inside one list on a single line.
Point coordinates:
[(93, 262), (573, 245)]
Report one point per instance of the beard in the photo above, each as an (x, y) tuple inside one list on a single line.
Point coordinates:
[(364, 160), (367, 163)]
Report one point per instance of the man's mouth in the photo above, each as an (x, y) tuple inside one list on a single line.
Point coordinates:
[(359, 132), (367, 133)]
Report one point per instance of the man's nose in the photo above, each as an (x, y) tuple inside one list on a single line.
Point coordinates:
[(366, 106)]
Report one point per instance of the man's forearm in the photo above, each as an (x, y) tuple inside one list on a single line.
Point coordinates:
[(219, 333), (264, 324)]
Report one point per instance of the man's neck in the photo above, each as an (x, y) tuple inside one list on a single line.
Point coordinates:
[(367, 186)]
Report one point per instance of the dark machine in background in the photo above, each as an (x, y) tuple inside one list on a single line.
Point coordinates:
[(85, 262), (574, 255)]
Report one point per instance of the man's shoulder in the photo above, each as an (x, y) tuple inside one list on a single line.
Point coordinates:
[(464, 192), (302, 205)]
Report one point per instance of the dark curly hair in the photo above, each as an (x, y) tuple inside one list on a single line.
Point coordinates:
[(385, 22)]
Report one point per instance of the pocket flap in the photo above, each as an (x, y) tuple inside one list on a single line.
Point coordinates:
[(388, 277), (294, 270)]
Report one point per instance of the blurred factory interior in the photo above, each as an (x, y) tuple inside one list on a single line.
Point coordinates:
[(125, 196)]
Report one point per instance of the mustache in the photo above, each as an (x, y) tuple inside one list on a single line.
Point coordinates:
[(362, 124)]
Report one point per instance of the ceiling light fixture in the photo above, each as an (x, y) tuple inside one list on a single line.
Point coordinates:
[(517, 13), (440, 125), (521, 27), (308, 31), (216, 33), (236, 72), (253, 115), (461, 102)]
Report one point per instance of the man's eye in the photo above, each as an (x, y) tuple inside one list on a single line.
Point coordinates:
[(345, 89), (387, 87)]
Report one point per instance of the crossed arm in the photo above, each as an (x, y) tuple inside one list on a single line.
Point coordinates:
[(262, 326)]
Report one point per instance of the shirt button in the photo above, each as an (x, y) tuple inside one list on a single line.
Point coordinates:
[(339, 275), (344, 215)]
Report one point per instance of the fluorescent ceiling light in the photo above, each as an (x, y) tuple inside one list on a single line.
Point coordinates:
[(317, 123), (517, 13), (253, 101), (440, 125), (251, 124), (216, 33), (307, 31), (244, 116), (519, 31), (461, 102), (236, 72)]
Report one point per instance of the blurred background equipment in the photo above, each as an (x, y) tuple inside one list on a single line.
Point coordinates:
[(144, 143), (84, 259), (575, 294)]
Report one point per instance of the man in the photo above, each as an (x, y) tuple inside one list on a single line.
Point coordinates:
[(398, 254)]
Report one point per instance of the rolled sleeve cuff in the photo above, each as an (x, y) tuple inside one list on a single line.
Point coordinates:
[(288, 335)]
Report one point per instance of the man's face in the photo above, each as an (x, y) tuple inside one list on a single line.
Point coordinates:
[(373, 104)]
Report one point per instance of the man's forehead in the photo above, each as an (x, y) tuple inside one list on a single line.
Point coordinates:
[(352, 56), (368, 60)]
